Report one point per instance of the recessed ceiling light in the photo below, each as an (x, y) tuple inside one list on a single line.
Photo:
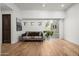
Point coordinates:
[(43, 5), (62, 5)]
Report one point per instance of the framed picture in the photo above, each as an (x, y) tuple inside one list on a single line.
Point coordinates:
[(39, 23), (18, 25)]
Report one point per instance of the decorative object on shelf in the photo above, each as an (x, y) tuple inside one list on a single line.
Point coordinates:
[(52, 26), (25, 23), (39, 23), (18, 24), (55, 26), (47, 24), (32, 23)]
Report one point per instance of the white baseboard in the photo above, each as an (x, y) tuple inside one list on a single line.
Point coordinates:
[(74, 42)]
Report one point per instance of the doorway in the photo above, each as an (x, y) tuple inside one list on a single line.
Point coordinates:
[(6, 28)]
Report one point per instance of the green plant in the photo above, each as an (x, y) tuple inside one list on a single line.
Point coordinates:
[(48, 33)]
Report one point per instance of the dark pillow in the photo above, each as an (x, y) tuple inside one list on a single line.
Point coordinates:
[(24, 34), (33, 34)]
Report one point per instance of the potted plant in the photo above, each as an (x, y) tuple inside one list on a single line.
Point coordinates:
[(48, 34)]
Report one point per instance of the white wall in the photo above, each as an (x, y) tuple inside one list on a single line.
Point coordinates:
[(14, 33), (0, 28), (61, 29), (42, 14), (14, 37), (72, 24)]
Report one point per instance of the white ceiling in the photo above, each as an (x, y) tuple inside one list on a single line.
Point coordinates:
[(38, 6)]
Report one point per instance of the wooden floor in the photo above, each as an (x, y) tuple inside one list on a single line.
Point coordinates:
[(56, 47)]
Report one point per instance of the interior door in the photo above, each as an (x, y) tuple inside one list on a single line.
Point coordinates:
[(6, 28)]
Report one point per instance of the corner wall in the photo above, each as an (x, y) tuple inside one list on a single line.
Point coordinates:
[(0, 28), (72, 24)]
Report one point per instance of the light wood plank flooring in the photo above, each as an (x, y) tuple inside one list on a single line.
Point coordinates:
[(56, 47)]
